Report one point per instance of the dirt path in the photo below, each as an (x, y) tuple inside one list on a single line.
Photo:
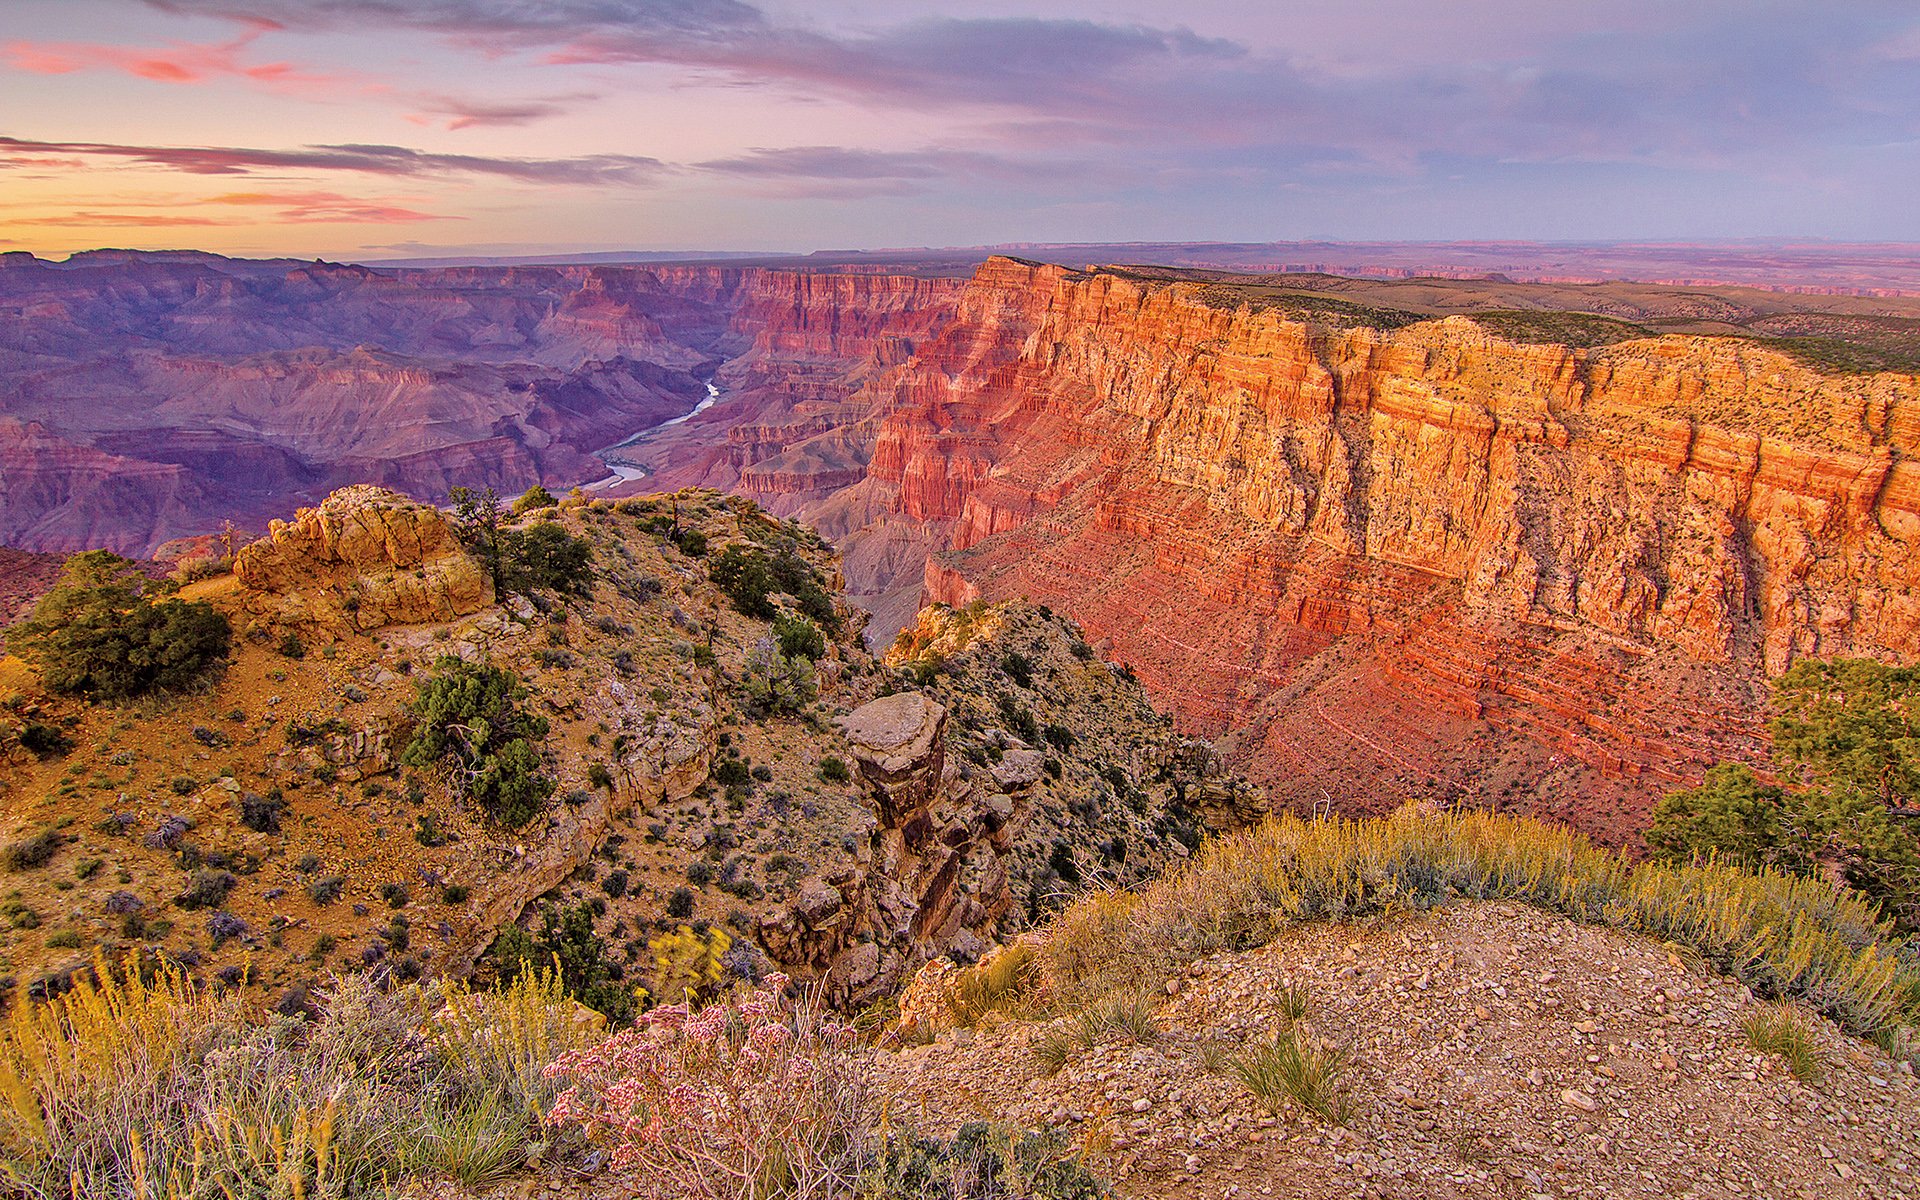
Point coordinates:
[(1498, 1051)]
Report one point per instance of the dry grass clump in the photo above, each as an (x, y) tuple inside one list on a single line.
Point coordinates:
[(1782, 935), (140, 1084), (1293, 1066), (1002, 982), (1128, 1015), (1777, 1029)]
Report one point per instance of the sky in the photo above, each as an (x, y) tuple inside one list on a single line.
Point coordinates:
[(387, 128)]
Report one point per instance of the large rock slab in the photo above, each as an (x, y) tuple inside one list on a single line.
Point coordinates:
[(364, 558), (899, 742)]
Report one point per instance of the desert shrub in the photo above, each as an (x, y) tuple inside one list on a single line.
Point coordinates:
[(102, 632), (192, 568), (566, 938), (65, 939), (534, 497), (599, 776), (834, 769), (799, 637), (395, 894), (775, 683), (767, 1098), (687, 966), (44, 740), (262, 813), (680, 902), (1017, 717), (543, 555), (326, 891), (615, 883), (1846, 743), (1061, 862), (1018, 667), (692, 543), (751, 577), (427, 831), (469, 715), (32, 851), (453, 893), (980, 1162), (206, 888)]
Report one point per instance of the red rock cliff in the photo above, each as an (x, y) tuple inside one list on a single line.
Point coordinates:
[(1360, 551)]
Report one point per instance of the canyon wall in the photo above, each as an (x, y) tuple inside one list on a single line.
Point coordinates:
[(1375, 555), (1522, 572), (146, 397)]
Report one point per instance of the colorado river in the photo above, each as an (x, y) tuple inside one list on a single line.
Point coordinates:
[(626, 472)]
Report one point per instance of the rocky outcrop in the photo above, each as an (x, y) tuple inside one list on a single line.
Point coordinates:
[(363, 559), (1327, 541), (899, 742), (904, 901), (992, 796)]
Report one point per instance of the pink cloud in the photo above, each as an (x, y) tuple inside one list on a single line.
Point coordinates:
[(287, 208), (395, 161), (178, 62), (312, 208)]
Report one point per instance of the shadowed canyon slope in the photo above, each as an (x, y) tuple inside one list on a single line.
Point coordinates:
[(145, 397), (1507, 541)]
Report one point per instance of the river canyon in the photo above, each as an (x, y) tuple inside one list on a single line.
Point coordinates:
[(1536, 546)]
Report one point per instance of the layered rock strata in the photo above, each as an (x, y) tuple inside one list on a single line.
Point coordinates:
[(1349, 546)]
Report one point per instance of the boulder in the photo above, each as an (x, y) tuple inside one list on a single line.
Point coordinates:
[(1019, 769), (899, 742), (364, 558)]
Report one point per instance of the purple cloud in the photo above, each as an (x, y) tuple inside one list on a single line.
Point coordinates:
[(372, 160), (1394, 114), (468, 17), (466, 112)]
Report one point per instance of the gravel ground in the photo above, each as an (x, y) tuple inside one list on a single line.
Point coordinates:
[(1497, 1051)]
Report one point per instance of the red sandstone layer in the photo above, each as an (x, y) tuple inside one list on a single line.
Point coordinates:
[(1432, 555)]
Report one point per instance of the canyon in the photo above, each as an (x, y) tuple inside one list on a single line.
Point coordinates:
[(150, 397), (1530, 546)]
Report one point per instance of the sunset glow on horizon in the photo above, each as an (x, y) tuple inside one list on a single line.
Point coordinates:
[(386, 128)]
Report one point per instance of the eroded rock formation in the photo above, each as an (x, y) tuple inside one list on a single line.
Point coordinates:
[(363, 559), (1341, 544), (1022, 772)]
